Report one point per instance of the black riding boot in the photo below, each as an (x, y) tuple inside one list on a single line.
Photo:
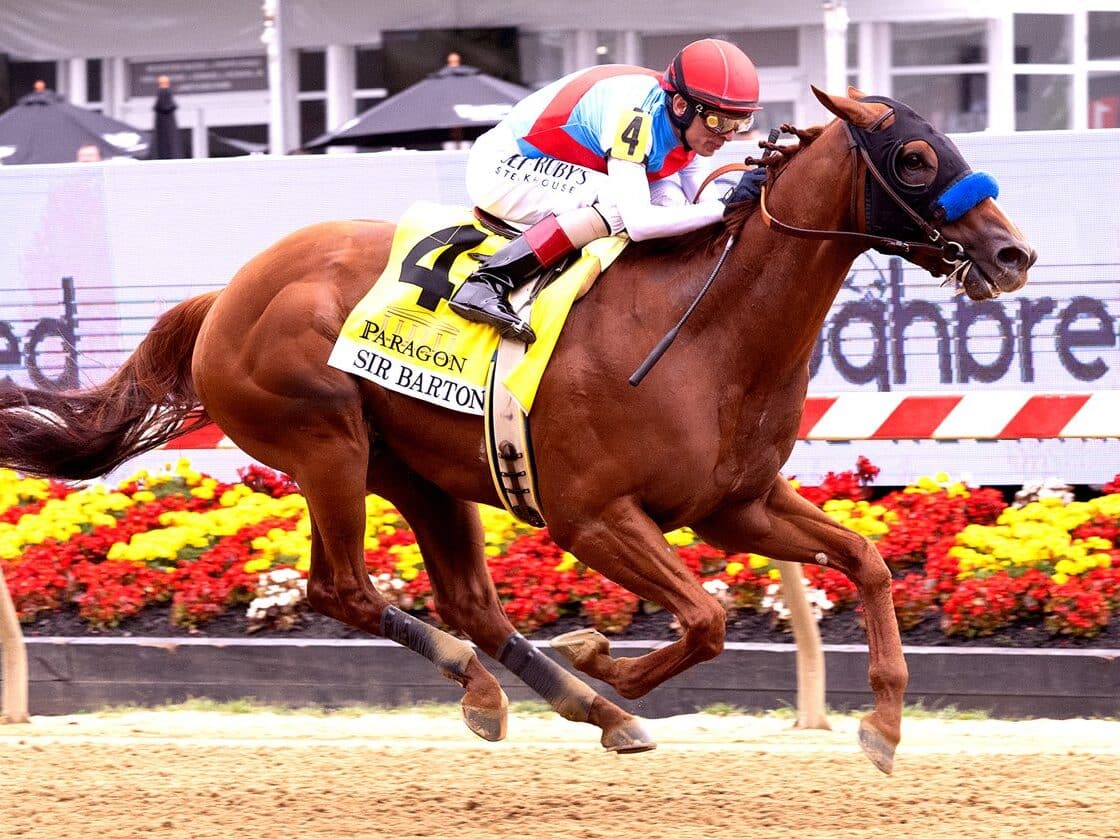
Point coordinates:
[(484, 295)]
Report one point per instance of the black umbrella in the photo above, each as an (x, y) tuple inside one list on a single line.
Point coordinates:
[(167, 143), (457, 102), (42, 127)]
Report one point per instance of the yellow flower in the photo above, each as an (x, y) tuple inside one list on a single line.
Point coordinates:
[(681, 538), (734, 568), (567, 562)]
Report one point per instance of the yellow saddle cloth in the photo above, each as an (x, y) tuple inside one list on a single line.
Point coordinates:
[(403, 336)]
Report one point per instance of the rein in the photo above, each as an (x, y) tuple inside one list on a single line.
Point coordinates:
[(670, 336), (951, 253)]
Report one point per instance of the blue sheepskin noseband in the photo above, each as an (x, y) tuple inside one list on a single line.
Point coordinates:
[(966, 194)]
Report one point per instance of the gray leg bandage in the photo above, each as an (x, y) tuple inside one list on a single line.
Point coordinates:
[(570, 697), (449, 654)]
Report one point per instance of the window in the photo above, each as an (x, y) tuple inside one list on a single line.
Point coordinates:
[(1104, 100), (542, 57), (93, 82), (312, 119), (1043, 84), (772, 115), (766, 47), (952, 102), (369, 78), (940, 70), (364, 103), (939, 44), (1043, 39), (607, 48), (312, 71), (1042, 101), (369, 68), (851, 56), (24, 74), (1104, 35), (312, 95)]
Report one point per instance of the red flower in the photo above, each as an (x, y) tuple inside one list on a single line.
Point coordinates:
[(266, 481), (1078, 609)]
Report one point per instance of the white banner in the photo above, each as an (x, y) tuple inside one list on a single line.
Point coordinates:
[(135, 238)]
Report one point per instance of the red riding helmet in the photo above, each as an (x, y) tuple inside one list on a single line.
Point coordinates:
[(716, 74)]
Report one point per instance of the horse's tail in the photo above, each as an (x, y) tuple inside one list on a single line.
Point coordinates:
[(82, 434)]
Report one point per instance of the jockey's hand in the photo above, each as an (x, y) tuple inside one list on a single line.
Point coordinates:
[(749, 187)]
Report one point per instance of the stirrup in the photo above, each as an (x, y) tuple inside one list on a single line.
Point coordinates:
[(515, 329)]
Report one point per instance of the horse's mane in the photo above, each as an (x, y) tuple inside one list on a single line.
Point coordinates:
[(714, 236)]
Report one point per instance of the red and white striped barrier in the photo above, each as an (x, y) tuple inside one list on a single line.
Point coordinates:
[(983, 415), (207, 437)]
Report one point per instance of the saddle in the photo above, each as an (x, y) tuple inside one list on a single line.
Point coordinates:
[(403, 336)]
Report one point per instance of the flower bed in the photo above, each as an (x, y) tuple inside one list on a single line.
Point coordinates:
[(200, 549)]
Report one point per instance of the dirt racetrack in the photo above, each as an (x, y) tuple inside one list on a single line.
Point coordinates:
[(207, 775)]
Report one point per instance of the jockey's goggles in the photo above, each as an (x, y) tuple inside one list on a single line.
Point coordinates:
[(720, 123)]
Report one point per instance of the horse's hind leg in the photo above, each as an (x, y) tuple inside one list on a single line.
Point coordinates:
[(626, 546), (787, 527), (339, 585), (449, 534)]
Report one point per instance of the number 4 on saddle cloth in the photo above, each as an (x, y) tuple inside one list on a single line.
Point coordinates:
[(403, 336)]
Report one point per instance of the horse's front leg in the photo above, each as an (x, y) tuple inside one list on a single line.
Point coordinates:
[(626, 546), (785, 526)]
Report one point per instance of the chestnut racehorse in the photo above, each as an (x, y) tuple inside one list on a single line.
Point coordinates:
[(699, 443)]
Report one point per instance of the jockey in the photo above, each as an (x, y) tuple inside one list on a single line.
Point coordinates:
[(608, 149)]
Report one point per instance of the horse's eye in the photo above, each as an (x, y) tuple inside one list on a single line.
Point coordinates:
[(916, 165), (912, 161)]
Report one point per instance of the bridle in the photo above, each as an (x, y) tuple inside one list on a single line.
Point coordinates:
[(950, 253)]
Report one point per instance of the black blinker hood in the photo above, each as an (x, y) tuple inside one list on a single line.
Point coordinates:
[(883, 145)]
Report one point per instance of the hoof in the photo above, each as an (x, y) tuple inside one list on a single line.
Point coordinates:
[(627, 738), (581, 644), (487, 723), (876, 746)]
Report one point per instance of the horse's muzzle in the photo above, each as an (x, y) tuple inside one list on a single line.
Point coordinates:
[(1004, 269)]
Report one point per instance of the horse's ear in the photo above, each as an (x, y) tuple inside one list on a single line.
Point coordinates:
[(855, 92), (847, 109)]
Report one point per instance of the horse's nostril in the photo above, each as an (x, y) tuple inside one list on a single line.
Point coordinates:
[(1016, 258)]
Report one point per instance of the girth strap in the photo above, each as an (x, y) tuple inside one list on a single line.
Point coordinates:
[(509, 446)]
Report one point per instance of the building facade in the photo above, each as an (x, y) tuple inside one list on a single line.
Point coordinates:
[(285, 72)]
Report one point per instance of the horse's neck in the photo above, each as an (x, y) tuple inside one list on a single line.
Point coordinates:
[(789, 284)]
